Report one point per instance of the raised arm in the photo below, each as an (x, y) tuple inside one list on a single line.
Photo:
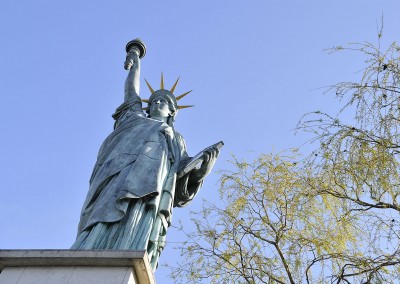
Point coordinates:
[(132, 83)]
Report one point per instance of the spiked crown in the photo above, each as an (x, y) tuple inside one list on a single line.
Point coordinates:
[(168, 94)]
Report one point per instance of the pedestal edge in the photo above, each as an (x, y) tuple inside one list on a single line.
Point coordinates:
[(111, 258)]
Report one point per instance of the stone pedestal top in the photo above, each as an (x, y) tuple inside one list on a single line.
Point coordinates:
[(79, 258)]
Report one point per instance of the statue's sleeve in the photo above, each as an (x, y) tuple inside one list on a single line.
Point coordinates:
[(121, 115), (126, 110), (185, 191)]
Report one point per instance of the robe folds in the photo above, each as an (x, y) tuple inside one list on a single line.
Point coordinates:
[(134, 185)]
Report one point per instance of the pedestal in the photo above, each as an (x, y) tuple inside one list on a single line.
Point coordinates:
[(74, 267)]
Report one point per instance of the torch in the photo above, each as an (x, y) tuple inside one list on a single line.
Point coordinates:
[(139, 45)]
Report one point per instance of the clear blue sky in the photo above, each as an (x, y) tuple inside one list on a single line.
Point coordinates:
[(255, 68)]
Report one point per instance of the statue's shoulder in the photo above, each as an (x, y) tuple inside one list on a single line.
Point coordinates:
[(178, 135), (181, 141), (127, 110)]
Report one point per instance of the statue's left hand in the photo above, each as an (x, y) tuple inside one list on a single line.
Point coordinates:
[(210, 157)]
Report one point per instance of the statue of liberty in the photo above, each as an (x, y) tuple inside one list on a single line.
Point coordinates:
[(141, 171)]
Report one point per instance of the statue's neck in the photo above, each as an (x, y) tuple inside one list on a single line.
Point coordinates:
[(163, 119)]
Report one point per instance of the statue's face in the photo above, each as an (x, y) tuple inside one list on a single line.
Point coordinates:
[(159, 107)]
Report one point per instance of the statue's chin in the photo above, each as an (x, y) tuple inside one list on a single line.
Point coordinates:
[(156, 114)]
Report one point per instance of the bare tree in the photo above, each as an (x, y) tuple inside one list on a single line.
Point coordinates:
[(330, 217)]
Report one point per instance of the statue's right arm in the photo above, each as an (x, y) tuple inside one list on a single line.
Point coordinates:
[(132, 102), (132, 83)]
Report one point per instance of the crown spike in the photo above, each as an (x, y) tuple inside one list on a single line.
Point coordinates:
[(181, 96), (148, 85), (174, 86), (181, 107), (162, 81)]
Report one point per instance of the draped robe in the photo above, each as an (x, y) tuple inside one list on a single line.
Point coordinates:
[(134, 185)]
